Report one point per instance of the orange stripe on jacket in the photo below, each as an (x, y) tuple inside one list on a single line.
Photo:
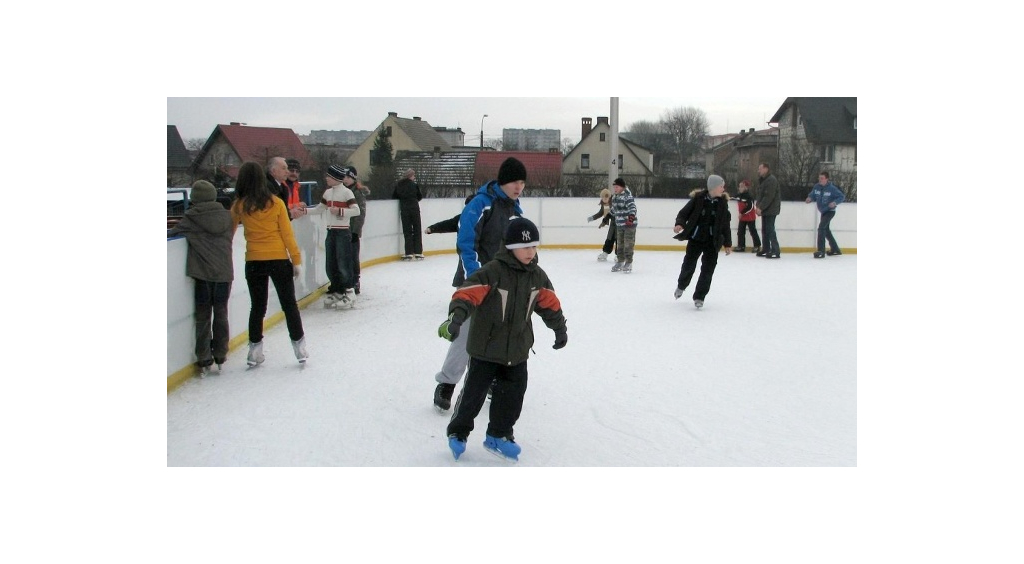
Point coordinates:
[(548, 300), (473, 294)]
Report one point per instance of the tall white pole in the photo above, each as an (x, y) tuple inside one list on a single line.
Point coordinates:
[(613, 145)]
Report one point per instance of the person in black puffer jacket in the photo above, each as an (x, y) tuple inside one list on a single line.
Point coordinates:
[(704, 222)]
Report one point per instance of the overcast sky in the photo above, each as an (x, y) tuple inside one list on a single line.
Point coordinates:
[(197, 117)]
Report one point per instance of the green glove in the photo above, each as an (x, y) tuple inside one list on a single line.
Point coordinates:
[(450, 328)]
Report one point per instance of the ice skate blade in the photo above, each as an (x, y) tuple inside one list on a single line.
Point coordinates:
[(501, 456)]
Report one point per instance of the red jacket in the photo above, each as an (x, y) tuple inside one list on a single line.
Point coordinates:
[(745, 206)]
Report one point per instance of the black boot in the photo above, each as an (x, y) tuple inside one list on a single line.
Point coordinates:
[(443, 396)]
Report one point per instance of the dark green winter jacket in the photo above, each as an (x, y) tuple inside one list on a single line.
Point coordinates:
[(501, 296), (768, 198)]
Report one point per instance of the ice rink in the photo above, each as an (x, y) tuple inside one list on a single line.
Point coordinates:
[(764, 375)]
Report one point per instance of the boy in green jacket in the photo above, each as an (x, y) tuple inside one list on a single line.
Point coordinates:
[(502, 295)]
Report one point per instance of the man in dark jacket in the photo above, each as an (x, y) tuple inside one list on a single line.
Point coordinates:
[(481, 230), (277, 179), (704, 222), (408, 194), (769, 204)]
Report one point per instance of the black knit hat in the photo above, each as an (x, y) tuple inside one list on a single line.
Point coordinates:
[(511, 170), (293, 164), (340, 172), (619, 182), (521, 232), (336, 172)]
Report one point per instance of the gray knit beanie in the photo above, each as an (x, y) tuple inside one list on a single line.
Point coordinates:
[(203, 191)]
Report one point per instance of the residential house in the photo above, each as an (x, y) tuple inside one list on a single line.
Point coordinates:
[(178, 159), (817, 134), (231, 145), (454, 137), (543, 169), (404, 134), (737, 157), (586, 166)]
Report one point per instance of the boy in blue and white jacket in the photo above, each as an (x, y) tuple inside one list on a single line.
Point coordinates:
[(827, 196)]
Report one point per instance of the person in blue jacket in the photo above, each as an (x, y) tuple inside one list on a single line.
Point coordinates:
[(481, 231), (827, 196)]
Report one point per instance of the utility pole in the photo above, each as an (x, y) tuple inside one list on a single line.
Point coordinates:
[(482, 131), (613, 145)]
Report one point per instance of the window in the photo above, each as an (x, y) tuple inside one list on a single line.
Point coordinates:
[(602, 137), (827, 154), (585, 161), (620, 162)]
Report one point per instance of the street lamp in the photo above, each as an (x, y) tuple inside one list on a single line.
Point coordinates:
[(482, 131)]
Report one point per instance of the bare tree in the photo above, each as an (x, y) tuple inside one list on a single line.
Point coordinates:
[(798, 163), (195, 143), (686, 129), (846, 180), (567, 146), (652, 136)]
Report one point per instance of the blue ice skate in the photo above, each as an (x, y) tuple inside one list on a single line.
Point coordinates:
[(504, 448), (458, 446)]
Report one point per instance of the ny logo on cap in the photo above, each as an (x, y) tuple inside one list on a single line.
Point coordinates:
[(526, 235)]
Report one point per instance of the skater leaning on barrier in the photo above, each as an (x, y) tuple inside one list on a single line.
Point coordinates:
[(209, 231), (271, 254), (408, 194), (339, 202), (361, 192), (501, 297), (704, 222), (481, 230)]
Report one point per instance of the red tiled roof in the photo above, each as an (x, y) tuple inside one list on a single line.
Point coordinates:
[(261, 143), (542, 168)]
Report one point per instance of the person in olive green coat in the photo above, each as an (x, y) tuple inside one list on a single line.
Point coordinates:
[(502, 296)]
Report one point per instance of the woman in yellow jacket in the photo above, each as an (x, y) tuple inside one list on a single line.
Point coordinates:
[(271, 253)]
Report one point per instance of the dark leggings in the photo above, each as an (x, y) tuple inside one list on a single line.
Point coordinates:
[(258, 274)]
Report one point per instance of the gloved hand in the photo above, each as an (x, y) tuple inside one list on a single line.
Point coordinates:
[(335, 211), (590, 218), (450, 328), (297, 270), (630, 220), (561, 338)]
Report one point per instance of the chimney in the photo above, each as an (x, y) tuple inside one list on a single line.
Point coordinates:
[(601, 120), (393, 114), (417, 118), (586, 127)]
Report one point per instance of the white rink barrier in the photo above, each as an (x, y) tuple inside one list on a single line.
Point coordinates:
[(562, 223)]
